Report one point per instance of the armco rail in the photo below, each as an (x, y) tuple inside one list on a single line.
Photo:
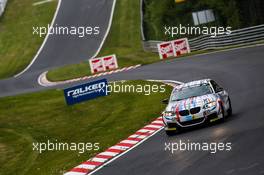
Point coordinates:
[(142, 19), (2, 6), (245, 36)]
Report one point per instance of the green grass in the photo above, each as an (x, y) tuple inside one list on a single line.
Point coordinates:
[(41, 116), (124, 40), (18, 45)]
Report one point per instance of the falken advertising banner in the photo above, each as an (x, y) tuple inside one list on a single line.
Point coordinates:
[(86, 92)]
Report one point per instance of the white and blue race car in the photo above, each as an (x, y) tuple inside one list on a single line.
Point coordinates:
[(195, 103)]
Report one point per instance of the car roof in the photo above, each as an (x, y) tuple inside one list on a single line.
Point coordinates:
[(192, 84)]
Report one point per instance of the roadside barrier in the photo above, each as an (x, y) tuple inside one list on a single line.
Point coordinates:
[(2, 6), (240, 37)]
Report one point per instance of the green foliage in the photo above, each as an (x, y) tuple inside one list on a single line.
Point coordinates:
[(234, 13)]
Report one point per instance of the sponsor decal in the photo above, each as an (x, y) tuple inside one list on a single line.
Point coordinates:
[(103, 64), (173, 48), (86, 92)]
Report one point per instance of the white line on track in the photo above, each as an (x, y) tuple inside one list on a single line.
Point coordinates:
[(108, 29), (100, 47), (44, 42), (125, 152), (41, 2)]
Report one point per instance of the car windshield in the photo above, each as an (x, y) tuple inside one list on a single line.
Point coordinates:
[(189, 92)]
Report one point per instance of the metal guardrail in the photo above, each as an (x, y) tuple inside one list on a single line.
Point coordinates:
[(142, 19), (239, 37), (2, 6)]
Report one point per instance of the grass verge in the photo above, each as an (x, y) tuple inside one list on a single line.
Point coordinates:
[(17, 44), (43, 116)]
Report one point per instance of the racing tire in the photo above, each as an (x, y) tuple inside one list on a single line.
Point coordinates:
[(229, 111), (170, 133), (223, 113)]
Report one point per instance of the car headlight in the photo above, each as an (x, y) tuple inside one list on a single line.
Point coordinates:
[(210, 105), (169, 114)]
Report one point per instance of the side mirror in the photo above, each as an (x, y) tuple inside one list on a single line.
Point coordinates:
[(165, 101)]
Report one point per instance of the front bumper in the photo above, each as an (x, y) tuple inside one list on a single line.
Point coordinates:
[(173, 123)]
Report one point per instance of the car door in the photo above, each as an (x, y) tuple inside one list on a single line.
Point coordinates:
[(221, 92)]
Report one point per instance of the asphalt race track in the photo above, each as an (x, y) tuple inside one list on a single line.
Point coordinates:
[(60, 50), (239, 71)]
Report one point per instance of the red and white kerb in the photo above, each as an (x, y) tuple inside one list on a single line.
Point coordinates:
[(101, 159)]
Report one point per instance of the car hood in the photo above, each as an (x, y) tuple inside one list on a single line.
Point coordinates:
[(192, 102)]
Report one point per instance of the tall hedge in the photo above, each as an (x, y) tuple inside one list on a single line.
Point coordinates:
[(234, 13)]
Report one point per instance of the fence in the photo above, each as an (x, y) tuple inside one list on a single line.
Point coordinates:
[(239, 37), (2, 6)]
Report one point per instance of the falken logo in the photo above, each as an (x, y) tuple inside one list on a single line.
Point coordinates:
[(87, 90)]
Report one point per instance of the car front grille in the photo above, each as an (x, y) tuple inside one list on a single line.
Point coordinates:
[(195, 110), (192, 111), (184, 112)]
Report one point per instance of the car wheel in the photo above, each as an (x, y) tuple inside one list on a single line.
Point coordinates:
[(170, 133), (222, 113), (173, 132), (229, 111)]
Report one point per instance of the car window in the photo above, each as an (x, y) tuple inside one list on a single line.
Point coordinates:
[(189, 92), (216, 87)]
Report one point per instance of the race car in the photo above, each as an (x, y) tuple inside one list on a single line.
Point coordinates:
[(195, 103)]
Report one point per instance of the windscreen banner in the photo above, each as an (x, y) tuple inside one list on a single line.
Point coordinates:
[(86, 92), (103, 64), (173, 48)]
